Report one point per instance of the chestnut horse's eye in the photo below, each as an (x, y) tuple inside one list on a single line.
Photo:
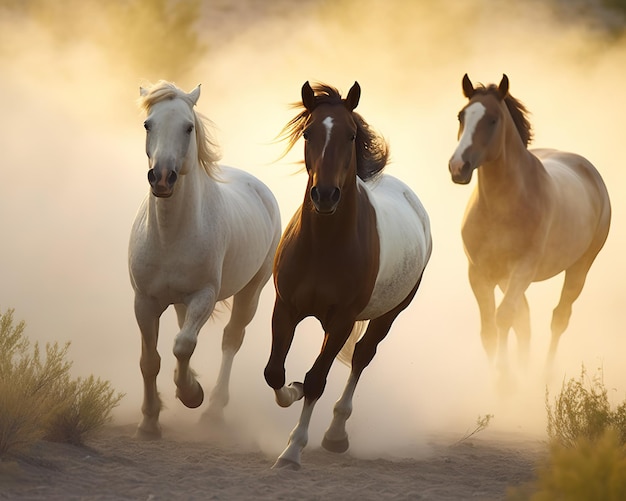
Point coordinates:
[(305, 135)]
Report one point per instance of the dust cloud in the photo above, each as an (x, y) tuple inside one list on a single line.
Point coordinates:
[(73, 174)]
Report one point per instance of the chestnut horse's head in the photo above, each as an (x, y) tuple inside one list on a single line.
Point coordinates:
[(339, 145)]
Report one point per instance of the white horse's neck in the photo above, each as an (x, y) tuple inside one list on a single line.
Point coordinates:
[(183, 212)]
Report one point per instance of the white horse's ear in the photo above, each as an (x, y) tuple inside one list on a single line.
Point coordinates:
[(194, 95), (143, 91)]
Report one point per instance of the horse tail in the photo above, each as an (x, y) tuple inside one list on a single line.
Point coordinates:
[(345, 355)]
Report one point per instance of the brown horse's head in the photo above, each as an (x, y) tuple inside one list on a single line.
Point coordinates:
[(482, 127), (339, 144)]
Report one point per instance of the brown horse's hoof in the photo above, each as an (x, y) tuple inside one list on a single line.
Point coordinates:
[(192, 399), (337, 446), (286, 464)]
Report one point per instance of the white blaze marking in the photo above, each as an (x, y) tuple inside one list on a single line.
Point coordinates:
[(473, 114), (328, 123)]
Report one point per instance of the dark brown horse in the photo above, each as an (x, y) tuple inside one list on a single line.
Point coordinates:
[(354, 251), (533, 214)]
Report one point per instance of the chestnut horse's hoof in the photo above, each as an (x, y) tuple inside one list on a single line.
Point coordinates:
[(191, 399), (286, 464), (337, 446)]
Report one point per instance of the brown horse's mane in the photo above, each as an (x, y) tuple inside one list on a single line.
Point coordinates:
[(518, 112), (372, 151)]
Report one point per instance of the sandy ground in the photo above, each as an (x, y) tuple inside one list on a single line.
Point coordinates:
[(113, 465)]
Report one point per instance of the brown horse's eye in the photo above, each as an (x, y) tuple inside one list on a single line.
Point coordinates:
[(305, 135)]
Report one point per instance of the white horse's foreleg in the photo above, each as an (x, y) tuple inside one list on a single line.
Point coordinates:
[(336, 437), (199, 309), (299, 437), (147, 314)]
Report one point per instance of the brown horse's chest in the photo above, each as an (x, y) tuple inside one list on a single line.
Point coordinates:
[(318, 282)]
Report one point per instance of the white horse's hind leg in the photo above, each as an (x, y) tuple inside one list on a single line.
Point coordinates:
[(245, 304), (147, 313), (299, 437), (199, 309), (336, 437)]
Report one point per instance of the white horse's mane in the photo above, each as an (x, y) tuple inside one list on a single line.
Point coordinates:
[(208, 151)]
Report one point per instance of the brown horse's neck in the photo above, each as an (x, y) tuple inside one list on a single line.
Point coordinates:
[(512, 173), (337, 226)]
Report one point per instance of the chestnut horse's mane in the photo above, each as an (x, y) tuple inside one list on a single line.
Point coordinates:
[(372, 151)]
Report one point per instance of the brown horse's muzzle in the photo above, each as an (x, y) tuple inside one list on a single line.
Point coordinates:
[(461, 171), (325, 200)]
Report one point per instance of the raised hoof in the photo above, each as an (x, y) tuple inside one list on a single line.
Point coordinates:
[(286, 464), (146, 435), (337, 446), (192, 399)]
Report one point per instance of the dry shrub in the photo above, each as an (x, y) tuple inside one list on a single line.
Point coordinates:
[(38, 397), (590, 470), (587, 454)]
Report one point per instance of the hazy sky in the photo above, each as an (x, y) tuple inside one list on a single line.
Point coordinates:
[(74, 172)]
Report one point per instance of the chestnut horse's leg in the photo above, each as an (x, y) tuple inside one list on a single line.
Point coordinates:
[(521, 324), (147, 312), (283, 329), (336, 437), (484, 294)]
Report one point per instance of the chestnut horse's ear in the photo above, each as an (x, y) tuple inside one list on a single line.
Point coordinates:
[(503, 88), (352, 100), (308, 96), (468, 87)]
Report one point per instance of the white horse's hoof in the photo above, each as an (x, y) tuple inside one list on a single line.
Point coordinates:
[(286, 464), (193, 398), (337, 446)]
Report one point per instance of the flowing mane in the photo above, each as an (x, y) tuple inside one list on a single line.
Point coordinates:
[(518, 112), (208, 151), (372, 151)]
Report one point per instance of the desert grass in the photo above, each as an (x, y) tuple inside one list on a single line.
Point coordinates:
[(39, 399), (586, 457)]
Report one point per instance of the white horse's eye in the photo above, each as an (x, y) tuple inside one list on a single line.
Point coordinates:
[(147, 125), (189, 129)]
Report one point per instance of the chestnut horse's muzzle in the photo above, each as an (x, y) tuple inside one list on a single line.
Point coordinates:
[(325, 200), (461, 171)]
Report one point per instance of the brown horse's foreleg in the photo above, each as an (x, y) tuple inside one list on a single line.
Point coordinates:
[(483, 292), (283, 329), (147, 313), (521, 324)]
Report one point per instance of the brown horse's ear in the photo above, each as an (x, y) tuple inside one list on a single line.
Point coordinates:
[(352, 100), (468, 87), (503, 88), (308, 96)]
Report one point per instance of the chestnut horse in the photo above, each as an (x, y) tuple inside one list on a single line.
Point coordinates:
[(354, 251), (203, 233), (533, 214)]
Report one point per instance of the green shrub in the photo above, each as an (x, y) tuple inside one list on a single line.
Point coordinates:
[(38, 397)]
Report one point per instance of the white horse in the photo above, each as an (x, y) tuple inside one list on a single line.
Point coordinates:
[(203, 233)]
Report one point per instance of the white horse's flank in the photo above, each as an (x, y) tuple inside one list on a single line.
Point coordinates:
[(204, 233)]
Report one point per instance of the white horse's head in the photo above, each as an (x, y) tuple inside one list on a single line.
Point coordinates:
[(175, 136)]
